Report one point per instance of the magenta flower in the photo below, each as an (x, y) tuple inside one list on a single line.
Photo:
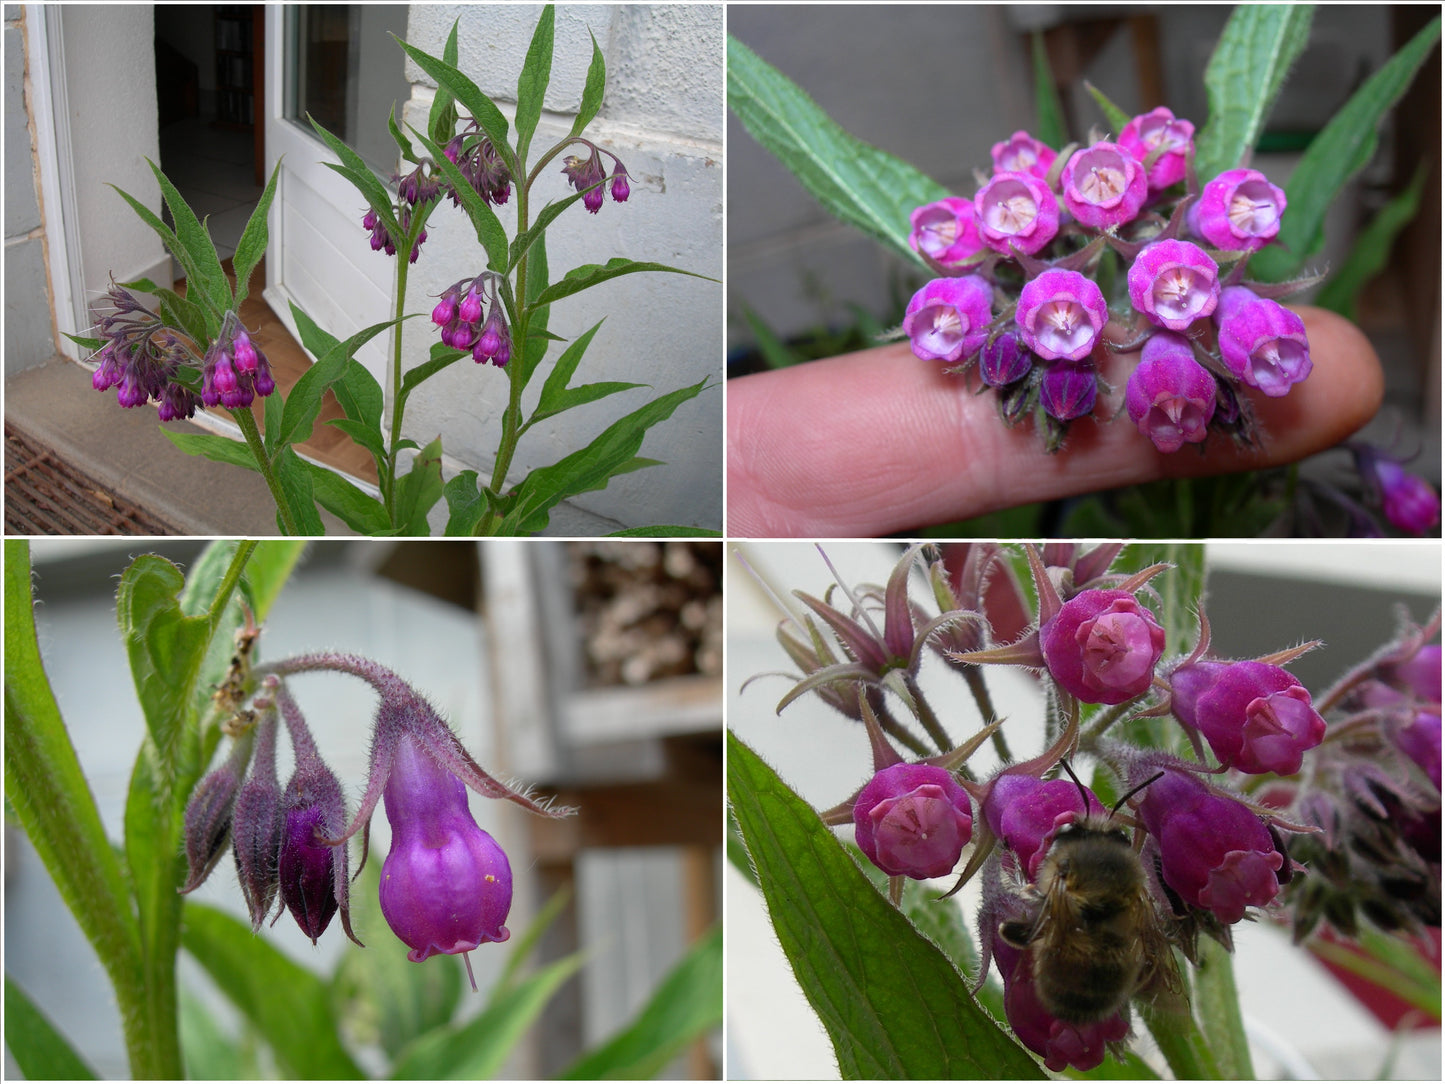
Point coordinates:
[(1068, 390), (1104, 186), (1025, 813), (1016, 210), (1215, 853), (1170, 396), (1174, 283), (1419, 740), (1263, 343), (234, 371), (494, 344), (1238, 211), (1159, 131), (1102, 646), (912, 820), (1256, 717), (945, 231), (1004, 360), (1022, 153), (446, 886), (1060, 314), (1407, 500), (948, 319)]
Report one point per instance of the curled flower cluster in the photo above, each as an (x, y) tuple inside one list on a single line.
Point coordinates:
[(588, 175), (477, 158), (144, 360), (1343, 787), (459, 315), (446, 885), (1052, 219)]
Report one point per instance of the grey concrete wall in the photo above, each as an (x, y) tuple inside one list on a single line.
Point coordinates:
[(29, 336)]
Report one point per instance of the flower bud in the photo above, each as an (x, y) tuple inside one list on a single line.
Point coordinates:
[(620, 189), (308, 868), (1215, 853), (913, 820), (948, 319), (1256, 717), (256, 834), (1102, 646), (1004, 360), (208, 820), (1068, 390)]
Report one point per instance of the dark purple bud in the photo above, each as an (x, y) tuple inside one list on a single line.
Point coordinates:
[(208, 816), (1004, 360), (307, 867), (913, 820), (1068, 390), (257, 824)]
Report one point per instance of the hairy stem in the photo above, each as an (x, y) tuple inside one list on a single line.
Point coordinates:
[(247, 423)]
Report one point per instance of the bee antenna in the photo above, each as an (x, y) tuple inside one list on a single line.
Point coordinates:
[(1083, 791), (1120, 803)]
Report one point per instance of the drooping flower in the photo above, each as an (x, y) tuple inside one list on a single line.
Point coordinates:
[(1025, 813), (1408, 501), (1170, 396), (1257, 717), (1102, 646), (1263, 343)]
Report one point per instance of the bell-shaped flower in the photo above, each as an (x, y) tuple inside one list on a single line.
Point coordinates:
[(1257, 717), (947, 320), (1102, 646), (913, 820)]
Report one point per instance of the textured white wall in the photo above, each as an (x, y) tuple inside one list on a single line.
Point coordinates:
[(663, 115), (111, 87)]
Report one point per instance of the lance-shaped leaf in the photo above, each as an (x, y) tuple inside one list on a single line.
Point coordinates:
[(355, 170), (557, 396), (591, 274), (483, 110), (205, 279), (254, 240), (592, 91), (442, 121), (532, 83)]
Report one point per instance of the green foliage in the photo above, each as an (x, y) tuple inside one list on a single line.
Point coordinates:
[(1050, 127), (38, 1048), (1371, 250)]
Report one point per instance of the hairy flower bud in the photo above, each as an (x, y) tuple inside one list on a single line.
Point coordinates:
[(257, 830), (208, 818), (1068, 390), (1004, 360), (1214, 852), (912, 820), (948, 319), (1102, 646)]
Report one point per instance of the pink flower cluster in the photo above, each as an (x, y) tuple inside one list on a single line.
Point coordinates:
[(1051, 214)]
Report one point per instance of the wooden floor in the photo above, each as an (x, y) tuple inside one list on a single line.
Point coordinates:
[(288, 361)]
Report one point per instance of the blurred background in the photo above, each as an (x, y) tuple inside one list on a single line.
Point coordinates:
[(939, 86), (589, 670), (1262, 597)]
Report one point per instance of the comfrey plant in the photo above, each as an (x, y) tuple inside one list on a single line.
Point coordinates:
[(289, 827), (190, 350), (1133, 275), (1174, 794)]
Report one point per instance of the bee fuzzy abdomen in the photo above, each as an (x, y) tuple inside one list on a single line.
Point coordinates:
[(1087, 988)]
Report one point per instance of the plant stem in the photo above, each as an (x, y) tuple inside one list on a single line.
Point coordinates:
[(263, 463), (387, 478), (1179, 1038), (1217, 1006)]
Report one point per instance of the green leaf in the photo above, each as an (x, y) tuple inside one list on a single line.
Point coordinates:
[(217, 449), (593, 91), (532, 83), (210, 1053), (687, 1004), (359, 510), (168, 237), (380, 995), (524, 945), (403, 144), (205, 276), (861, 185), (1371, 250), (591, 274), (589, 468), (894, 1006), (557, 396), (38, 1048), (317, 340), (441, 357), (286, 1003), (165, 646), (442, 121), (304, 402), (477, 1050), (360, 395), (175, 309), (1341, 150), (354, 168), (665, 530), (294, 475), (267, 571), (1116, 117), (273, 414), (1245, 74), (1180, 588), (491, 235), (1049, 111), (465, 503), (254, 240), (483, 110), (419, 489), (367, 436)]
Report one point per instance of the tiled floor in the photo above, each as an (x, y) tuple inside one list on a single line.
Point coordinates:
[(213, 170)]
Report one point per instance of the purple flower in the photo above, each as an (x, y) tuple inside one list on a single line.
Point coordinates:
[(208, 817), (912, 820), (1407, 500), (1170, 396), (1022, 153), (494, 344), (1256, 717), (446, 886), (1238, 211), (1419, 739), (1215, 853), (1060, 314), (1062, 1045), (1160, 133), (948, 319), (1262, 342), (1102, 646), (1004, 360), (1068, 390), (945, 231), (1104, 186), (585, 175), (1174, 283), (1025, 813), (620, 190), (1016, 210)]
